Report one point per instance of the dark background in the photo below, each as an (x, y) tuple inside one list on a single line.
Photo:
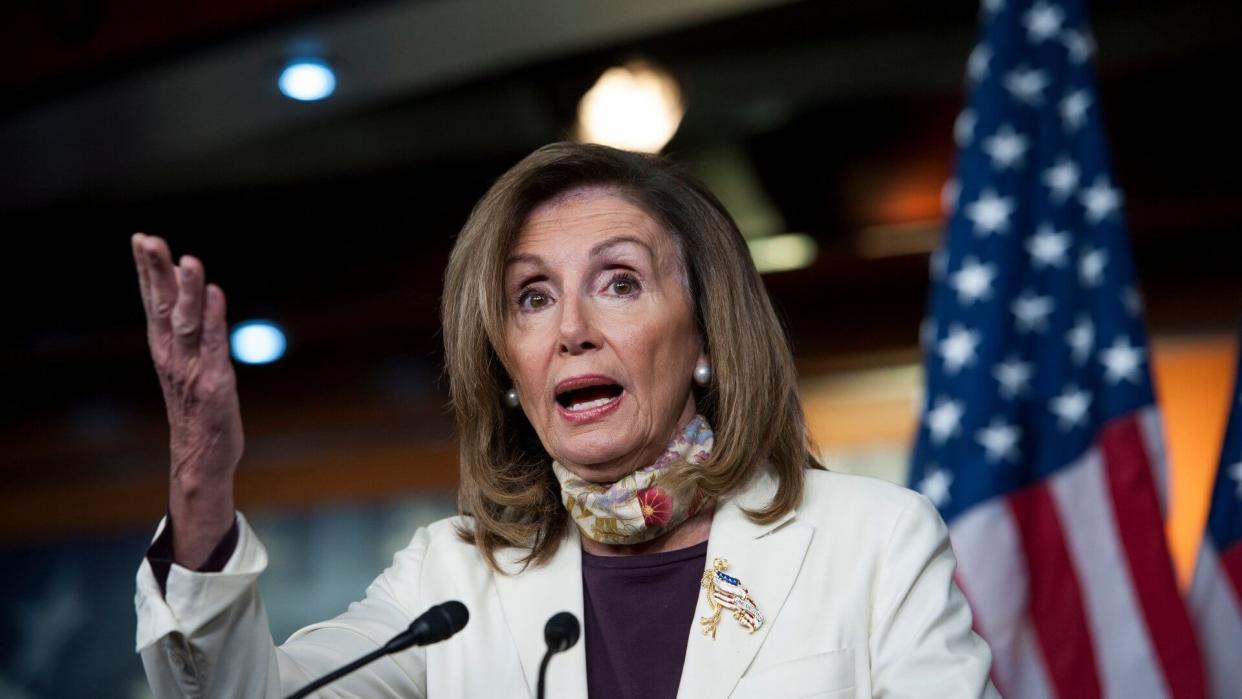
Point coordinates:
[(336, 218)]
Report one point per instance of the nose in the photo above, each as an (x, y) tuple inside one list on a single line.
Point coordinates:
[(578, 332)]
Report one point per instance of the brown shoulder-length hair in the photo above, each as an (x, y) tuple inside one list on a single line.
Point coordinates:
[(507, 483)]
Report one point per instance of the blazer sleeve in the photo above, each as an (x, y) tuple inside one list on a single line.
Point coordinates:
[(208, 635), (922, 641)]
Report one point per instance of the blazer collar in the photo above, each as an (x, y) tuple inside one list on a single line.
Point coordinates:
[(529, 598), (766, 559)]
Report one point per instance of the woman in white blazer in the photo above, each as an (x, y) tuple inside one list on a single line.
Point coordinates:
[(632, 451)]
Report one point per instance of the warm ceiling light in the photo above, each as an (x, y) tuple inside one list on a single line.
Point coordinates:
[(781, 253), (307, 80), (635, 107)]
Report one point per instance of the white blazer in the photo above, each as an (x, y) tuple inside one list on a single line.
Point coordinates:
[(856, 588)]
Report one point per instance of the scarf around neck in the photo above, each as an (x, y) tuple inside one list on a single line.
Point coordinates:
[(640, 506)]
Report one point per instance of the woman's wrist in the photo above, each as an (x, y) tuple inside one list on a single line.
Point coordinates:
[(202, 516)]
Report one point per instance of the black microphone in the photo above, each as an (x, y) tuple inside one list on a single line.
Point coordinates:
[(561, 633), (432, 626)]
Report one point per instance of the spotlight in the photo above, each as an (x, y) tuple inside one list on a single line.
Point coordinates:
[(257, 342), (636, 107), (307, 80)]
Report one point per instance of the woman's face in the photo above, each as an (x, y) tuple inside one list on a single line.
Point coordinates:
[(600, 333)]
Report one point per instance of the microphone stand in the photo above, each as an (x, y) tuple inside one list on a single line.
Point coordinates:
[(561, 633), (543, 669), (432, 626), (340, 672)]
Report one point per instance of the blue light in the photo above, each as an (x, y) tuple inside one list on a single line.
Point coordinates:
[(257, 342), (307, 80)]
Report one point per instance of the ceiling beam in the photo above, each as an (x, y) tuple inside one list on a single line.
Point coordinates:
[(179, 111)]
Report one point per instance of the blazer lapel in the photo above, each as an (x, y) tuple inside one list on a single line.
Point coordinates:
[(530, 598), (766, 559)]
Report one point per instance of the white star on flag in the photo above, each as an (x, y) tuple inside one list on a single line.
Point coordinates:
[(1027, 85), (964, 128), (1091, 266), (1031, 312), (991, 7), (990, 213), (1100, 200), (1070, 407), (1074, 110), (1043, 21), (1000, 440), (1062, 179), (1081, 338), (973, 281), (977, 63), (1122, 361), (1079, 44), (945, 419), (1006, 148), (957, 349), (1014, 376), (935, 486), (1047, 247)]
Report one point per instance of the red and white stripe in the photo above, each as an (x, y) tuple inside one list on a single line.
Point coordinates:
[(1216, 603), (1070, 579)]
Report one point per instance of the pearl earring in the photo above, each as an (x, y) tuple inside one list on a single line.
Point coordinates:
[(511, 398), (702, 373)]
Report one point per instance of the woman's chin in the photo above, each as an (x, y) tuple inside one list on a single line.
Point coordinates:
[(597, 465)]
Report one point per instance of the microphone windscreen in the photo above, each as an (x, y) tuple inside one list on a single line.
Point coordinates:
[(432, 626), (561, 631), (455, 616)]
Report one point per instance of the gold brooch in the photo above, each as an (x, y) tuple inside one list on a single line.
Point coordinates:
[(727, 592)]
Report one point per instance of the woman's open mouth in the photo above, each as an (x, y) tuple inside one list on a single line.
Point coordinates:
[(588, 397)]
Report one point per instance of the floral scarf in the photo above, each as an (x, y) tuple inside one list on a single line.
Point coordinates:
[(636, 508)]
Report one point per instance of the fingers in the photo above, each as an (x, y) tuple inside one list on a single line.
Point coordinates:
[(162, 293), (140, 262), (185, 316), (215, 337), (187, 313)]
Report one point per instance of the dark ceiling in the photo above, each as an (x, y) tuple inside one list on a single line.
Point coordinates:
[(336, 219)]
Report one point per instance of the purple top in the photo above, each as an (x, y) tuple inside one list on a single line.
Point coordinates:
[(639, 610)]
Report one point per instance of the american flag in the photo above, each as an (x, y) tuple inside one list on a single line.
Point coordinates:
[(1216, 594), (1040, 442)]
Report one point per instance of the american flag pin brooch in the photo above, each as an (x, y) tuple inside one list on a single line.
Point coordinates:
[(727, 592)]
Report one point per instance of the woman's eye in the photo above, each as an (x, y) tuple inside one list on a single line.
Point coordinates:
[(533, 299), (623, 286)]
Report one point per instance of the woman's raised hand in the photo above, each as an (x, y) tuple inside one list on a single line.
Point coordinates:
[(188, 337)]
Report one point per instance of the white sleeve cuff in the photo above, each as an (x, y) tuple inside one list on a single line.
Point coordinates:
[(193, 599)]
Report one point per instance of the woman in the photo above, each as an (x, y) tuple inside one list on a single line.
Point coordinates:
[(632, 450)]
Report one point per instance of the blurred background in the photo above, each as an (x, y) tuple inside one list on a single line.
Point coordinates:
[(325, 203)]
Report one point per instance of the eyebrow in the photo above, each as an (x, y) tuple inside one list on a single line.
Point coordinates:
[(598, 249), (618, 240)]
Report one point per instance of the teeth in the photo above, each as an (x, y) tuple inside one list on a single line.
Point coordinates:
[(588, 405)]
